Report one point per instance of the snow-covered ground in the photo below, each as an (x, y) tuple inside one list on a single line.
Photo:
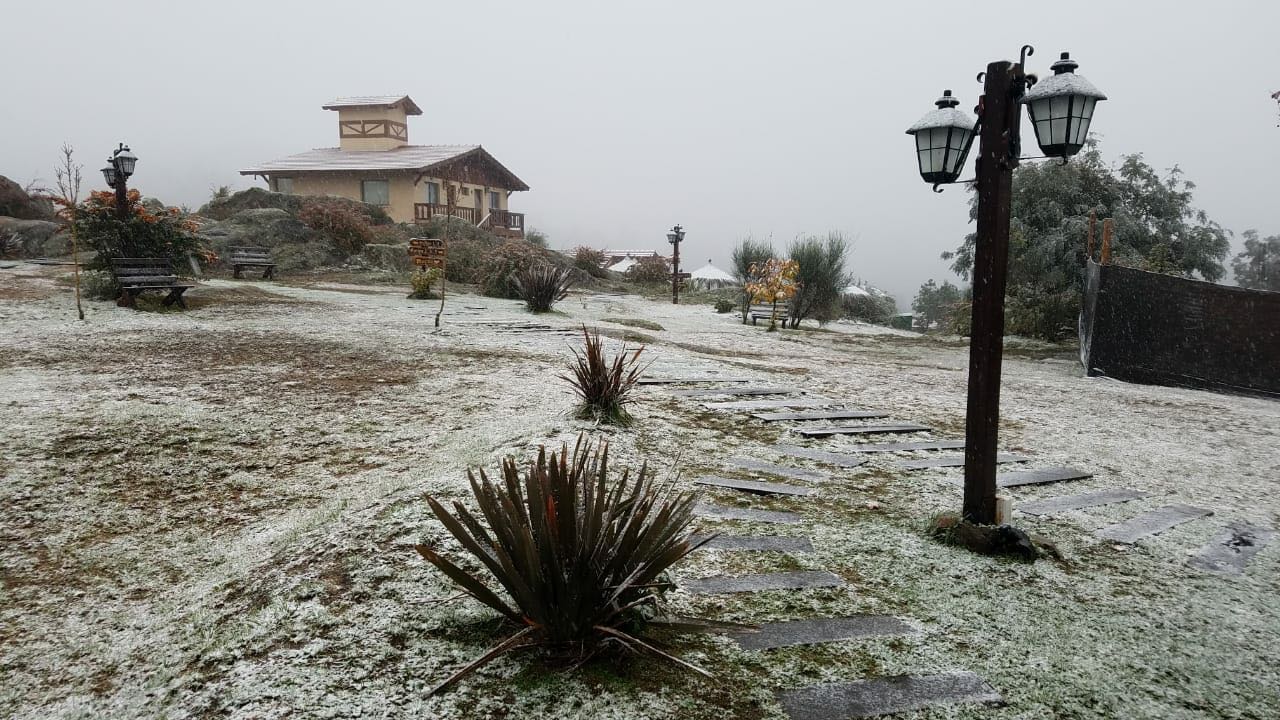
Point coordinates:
[(211, 513)]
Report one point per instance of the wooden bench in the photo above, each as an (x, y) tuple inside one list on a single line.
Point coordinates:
[(766, 311), (138, 275), (252, 257)]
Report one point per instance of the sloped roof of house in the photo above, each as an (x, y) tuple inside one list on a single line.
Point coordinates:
[(420, 158), (410, 107), (622, 265)]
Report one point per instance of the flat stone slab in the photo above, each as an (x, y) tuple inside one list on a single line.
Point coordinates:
[(709, 392), (885, 696), (862, 429), (787, 471), (1152, 523), (1066, 503), (907, 446), (848, 414), (831, 458), (756, 543), (795, 580), (754, 486), (1233, 548), (1039, 477), (820, 630), (807, 401), (724, 512), (689, 380), (952, 461)]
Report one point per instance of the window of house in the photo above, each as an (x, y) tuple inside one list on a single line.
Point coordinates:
[(284, 185), (375, 192), (433, 193), (495, 201)]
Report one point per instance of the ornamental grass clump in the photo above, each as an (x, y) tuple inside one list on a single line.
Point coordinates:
[(580, 557), (605, 386), (541, 286)]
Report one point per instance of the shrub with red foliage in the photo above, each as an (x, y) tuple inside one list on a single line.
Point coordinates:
[(349, 228)]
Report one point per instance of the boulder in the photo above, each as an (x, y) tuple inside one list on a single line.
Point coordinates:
[(381, 256), (16, 203), (293, 245), (257, 198), (33, 238)]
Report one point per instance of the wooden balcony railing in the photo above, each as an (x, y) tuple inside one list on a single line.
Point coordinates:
[(499, 222)]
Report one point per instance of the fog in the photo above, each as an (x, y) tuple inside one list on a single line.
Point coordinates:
[(732, 118)]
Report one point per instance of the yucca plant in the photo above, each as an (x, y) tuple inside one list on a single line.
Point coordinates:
[(579, 557), (605, 386), (542, 285)]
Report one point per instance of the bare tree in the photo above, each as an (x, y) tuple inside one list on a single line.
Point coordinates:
[(67, 174)]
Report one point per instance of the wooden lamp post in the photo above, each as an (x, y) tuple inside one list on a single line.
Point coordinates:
[(675, 237), (1061, 108)]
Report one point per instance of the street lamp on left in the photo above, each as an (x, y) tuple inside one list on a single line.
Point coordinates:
[(119, 167), (674, 237)]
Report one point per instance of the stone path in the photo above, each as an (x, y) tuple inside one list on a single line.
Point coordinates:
[(786, 471), (754, 486), (861, 429), (847, 414), (820, 630), (712, 392), (794, 580), (689, 380), (1039, 477), (725, 512), (1065, 503), (806, 401), (1151, 523), (885, 696), (907, 446), (952, 461), (1233, 548), (830, 458), (756, 543)]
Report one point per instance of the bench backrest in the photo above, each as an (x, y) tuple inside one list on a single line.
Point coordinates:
[(143, 271), (250, 254), (768, 310)]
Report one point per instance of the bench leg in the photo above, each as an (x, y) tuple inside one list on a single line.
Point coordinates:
[(175, 296), (235, 272), (269, 274), (126, 299)]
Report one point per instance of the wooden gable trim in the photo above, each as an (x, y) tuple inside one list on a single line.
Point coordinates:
[(373, 129), (476, 167)]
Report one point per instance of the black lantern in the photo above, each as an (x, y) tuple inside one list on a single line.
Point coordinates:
[(676, 235), (943, 138), (124, 160), (1061, 107), (110, 175)]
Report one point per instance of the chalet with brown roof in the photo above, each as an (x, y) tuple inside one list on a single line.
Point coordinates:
[(375, 163)]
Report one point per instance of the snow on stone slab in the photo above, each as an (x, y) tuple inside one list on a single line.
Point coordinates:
[(820, 630), (794, 580), (807, 401), (1233, 548), (754, 486), (725, 512), (843, 414), (952, 461), (712, 392), (689, 380), (885, 696), (1152, 523), (823, 456), (906, 446), (1039, 477), (787, 471), (1066, 503), (755, 543), (862, 429)]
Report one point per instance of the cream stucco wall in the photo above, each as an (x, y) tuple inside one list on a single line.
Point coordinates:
[(396, 114), (403, 193)]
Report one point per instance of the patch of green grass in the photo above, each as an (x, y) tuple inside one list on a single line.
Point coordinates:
[(634, 322)]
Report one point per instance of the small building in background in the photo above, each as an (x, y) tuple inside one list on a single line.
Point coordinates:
[(374, 163), (710, 276), (614, 257)]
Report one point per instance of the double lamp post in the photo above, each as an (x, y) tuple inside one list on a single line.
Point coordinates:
[(119, 167), (1061, 108)]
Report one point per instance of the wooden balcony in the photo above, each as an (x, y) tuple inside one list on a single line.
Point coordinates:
[(503, 223)]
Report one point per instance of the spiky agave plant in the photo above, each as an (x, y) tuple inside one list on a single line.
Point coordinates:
[(579, 555), (605, 386), (542, 285)]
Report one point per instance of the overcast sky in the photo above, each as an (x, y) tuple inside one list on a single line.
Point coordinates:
[(771, 119)]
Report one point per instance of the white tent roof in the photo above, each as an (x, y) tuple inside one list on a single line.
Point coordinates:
[(622, 265), (855, 290), (711, 272)]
